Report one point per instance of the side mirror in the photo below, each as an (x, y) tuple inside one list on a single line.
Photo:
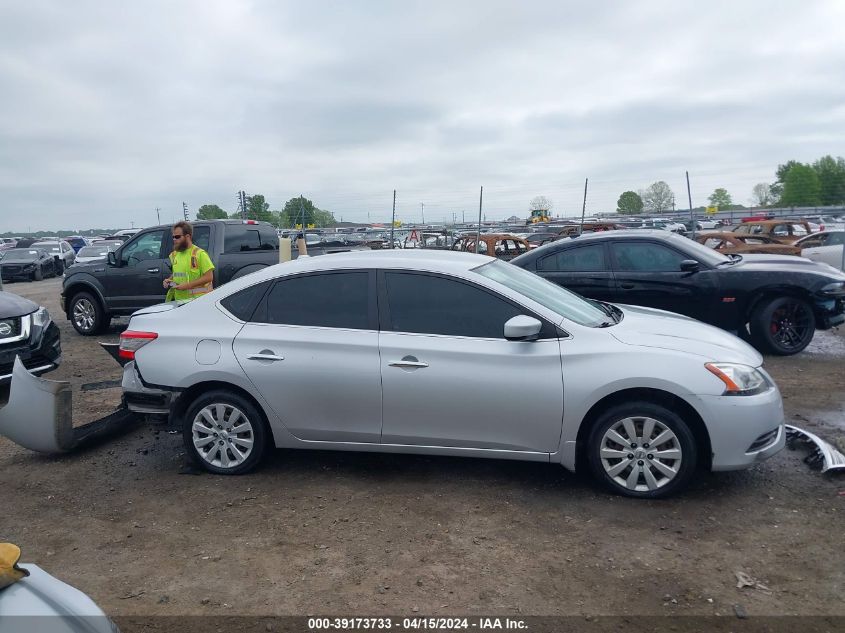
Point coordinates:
[(112, 258), (689, 266), (522, 328)]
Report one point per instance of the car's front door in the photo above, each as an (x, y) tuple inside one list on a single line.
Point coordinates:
[(451, 379), (136, 281), (311, 349), (649, 274), (582, 269)]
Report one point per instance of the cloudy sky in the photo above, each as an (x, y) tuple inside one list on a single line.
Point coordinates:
[(111, 109)]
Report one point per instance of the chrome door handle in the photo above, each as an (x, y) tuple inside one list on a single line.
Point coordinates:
[(264, 357), (152, 270), (407, 363)]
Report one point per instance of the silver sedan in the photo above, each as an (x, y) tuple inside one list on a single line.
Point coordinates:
[(450, 354)]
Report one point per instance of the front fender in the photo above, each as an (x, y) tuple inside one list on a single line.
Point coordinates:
[(82, 282)]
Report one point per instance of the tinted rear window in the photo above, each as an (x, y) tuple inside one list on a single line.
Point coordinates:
[(241, 238), (337, 300), (242, 303)]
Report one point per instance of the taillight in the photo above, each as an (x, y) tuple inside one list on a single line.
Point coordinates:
[(131, 342)]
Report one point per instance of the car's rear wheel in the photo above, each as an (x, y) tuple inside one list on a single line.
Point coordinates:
[(224, 433), (38, 275), (60, 267), (783, 326), (87, 315), (640, 449)]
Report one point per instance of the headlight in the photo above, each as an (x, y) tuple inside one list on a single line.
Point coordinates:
[(836, 289), (41, 318), (740, 380)]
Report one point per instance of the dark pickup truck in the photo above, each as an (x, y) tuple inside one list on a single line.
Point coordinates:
[(131, 278)]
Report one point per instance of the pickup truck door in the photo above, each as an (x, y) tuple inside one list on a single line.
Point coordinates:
[(136, 282)]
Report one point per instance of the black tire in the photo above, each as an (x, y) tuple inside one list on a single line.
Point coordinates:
[(87, 315), (782, 326), (203, 456), (60, 267), (38, 275), (637, 458)]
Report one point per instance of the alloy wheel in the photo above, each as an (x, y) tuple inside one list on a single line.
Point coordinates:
[(790, 325), (640, 453), (222, 435), (84, 314)]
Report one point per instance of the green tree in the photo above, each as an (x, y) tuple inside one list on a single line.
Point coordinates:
[(658, 197), (831, 173), (211, 212), (801, 187), (298, 208), (629, 203), (720, 198)]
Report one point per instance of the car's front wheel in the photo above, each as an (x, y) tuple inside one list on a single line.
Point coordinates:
[(87, 315), (783, 326), (640, 449), (38, 274), (224, 433)]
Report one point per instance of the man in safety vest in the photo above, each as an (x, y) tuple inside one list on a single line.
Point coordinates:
[(193, 272)]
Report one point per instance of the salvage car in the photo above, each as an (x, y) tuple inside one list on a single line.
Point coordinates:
[(28, 264), (27, 331), (371, 351), (727, 242), (776, 301), (783, 231), (823, 247), (62, 252), (502, 245)]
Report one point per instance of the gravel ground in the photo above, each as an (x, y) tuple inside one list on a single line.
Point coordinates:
[(344, 533)]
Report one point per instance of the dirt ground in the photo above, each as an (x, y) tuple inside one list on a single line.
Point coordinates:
[(345, 533)]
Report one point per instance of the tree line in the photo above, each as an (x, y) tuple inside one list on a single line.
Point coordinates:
[(294, 212), (821, 183)]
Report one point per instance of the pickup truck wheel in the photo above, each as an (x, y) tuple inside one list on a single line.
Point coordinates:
[(86, 314), (224, 433), (783, 326), (640, 449)]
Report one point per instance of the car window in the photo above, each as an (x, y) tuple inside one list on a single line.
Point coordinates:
[(337, 300), (242, 238), (201, 236), (835, 239), (242, 303), (713, 242), (584, 258), (427, 304), (812, 242), (797, 229), (644, 256), (143, 248)]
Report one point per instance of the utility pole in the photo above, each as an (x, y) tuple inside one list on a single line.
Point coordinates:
[(302, 214), (393, 219), (158, 215), (422, 210), (583, 207), (185, 211), (691, 215), (478, 230)]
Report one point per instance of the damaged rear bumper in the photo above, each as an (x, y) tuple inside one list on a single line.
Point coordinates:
[(142, 398)]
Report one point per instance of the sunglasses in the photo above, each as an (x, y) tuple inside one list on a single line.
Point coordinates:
[(178, 237)]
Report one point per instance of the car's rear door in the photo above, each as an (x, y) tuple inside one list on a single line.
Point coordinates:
[(449, 376), (311, 349)]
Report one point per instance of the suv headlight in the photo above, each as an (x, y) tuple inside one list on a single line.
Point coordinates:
[(740, 380), (41, 318)]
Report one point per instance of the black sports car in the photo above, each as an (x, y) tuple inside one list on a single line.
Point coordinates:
[(33, 264), (26, 330), (775, 301)]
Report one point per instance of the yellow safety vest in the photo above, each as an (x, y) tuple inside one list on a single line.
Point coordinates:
[(182, 274)]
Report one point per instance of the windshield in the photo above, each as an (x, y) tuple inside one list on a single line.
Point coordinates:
[(563, 302), (20, 255), (93, 251), (53, 246)]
